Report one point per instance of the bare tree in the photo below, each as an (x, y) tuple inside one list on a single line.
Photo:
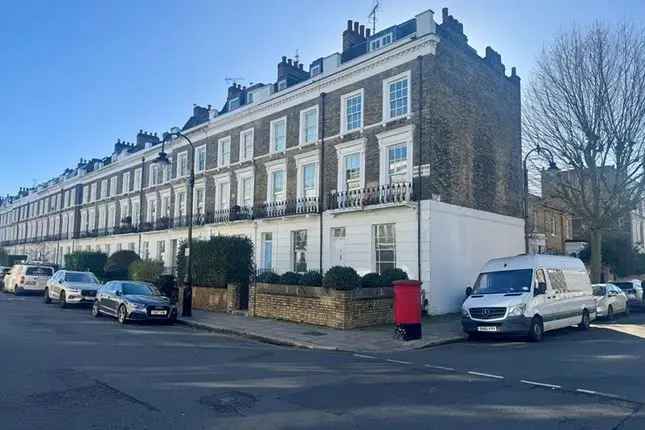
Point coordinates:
[(586, 105)]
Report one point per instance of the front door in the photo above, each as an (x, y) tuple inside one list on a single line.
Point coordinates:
[(337, 246)]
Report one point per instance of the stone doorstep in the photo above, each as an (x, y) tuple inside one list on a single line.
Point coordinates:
[(282, 341)]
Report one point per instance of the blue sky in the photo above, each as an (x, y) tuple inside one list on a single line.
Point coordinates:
[(77, 75)]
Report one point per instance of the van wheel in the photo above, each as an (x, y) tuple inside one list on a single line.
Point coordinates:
[(46, 297), (610, 313), (585, 323), (536, 330)]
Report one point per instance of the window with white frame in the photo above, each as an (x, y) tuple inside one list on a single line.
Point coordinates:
[(152, 211), (224, 152), (93, 192), (200, 194), (153, 175), (124, 208), (165, 206), (307, 171), (102, 217), (396, 97), (282, 85), (111, 216), (351, 165), (352, 111), (277, 180), (299, 250), (105, 191), (278, 135), (250, 98), (125, 186), (137, 179), (246, 145), (309, 125), (222, 192), (316, 69), (180, 203), (395, 148), (384, 247), (113, 185), (136, 212), (200, 159), (245, 188), (381, 41), (267, 251), (182, 164), (91, 219)]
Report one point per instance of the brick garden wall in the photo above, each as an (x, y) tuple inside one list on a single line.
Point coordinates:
[(324, 307), (210, 299)]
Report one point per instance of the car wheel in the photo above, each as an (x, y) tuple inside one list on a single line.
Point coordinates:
[(123, 315), (95, 310), (536, 330), (17, 290), (46, 297), (585, 323), (610, 313), (62, 301)]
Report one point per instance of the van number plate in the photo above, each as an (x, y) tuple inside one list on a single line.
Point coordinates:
[(487, 328)]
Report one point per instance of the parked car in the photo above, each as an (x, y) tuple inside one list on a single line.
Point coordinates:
[(632, 289), (27, 277), (529, 295), (133, 301), (610, 300), (70, 287)]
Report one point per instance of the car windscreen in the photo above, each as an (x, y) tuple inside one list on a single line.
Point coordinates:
[(139, 289), (86, 278), (599, 290), (39, 271), (624, 285), (504, 282)]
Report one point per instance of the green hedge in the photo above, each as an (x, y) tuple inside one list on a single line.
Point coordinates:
[(118, 264), (341, 278), (290, 278), (218, 261), (146, 270), (91, 261), (311, 278)]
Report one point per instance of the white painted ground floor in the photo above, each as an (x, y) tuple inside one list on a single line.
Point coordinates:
[(446, 251)]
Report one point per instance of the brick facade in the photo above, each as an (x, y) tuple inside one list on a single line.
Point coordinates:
[(322, 306)]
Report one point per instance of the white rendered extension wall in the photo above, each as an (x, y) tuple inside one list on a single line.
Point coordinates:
[(462, 241)]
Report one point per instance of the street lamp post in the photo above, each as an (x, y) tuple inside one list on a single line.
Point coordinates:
[(552, 166), (187, 308)]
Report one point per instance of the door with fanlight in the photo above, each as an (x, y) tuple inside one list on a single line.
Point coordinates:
[(337, 247)]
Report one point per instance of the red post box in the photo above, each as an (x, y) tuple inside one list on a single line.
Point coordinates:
[(407, 308)]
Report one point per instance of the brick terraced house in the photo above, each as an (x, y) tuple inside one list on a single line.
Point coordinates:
[(403, 150)]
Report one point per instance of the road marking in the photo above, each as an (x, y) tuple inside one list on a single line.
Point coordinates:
[(541, 384), (449, 369), (364, 356), (397, 361), (486, 375), (597, 393)]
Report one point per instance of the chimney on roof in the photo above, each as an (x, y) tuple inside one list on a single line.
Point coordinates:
[(291, 71), (353, 35), (452, 27), (146, 139), (494, 60), (233, 91)]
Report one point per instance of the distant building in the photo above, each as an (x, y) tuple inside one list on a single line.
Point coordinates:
[(549, 227)]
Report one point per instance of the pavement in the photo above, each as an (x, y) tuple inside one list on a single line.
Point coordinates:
[(436, 331), (65, 370)]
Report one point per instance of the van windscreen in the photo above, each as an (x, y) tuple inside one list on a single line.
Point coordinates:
[(504, 282)]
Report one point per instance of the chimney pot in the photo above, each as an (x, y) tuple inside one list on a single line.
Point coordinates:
[(349, 25), (367, 32), (284, 59), (362, 30), (356, 27), (300, 66), (289, 62)]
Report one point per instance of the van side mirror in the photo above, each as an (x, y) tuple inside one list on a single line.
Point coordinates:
[(541, 288), (469, 291)]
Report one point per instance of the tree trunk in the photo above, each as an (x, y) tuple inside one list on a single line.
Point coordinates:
[(596, 256)]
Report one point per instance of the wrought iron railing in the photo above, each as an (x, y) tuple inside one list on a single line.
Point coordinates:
[(393, 193)]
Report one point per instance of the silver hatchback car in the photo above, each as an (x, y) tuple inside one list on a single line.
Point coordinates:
[(610, 300)]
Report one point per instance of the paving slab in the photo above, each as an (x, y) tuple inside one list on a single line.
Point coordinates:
[(436, 331)]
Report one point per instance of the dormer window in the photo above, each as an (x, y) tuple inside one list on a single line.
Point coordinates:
[(249, 98), (381, 41), (315, 70), (234, 103), (282, 85)]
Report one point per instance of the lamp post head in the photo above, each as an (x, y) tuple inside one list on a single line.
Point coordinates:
[(175, 130), (552, 166)]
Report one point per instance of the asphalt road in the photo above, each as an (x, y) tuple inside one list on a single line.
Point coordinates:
[(63, 369)]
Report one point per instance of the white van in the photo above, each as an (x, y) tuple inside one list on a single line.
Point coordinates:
[(529, 294)]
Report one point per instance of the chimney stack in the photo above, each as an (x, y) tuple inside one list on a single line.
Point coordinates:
[(353, 35)]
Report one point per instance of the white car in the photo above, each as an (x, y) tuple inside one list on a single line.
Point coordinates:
[(27, 278), (68, 287), (529, 295), (610, 300), (632, 289)]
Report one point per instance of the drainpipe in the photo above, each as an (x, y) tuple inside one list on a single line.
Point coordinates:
[(419, 191), (321, 177), (143, 166)]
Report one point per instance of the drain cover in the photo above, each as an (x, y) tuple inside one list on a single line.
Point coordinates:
[(230, 403)]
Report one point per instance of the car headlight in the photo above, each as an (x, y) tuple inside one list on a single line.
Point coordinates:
[(465, 313), (517, 310), (138, 305)]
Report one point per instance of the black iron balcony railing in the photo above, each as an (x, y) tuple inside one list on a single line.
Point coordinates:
[(393, 193)]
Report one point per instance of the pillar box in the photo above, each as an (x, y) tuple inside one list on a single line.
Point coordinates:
[(407, 308)]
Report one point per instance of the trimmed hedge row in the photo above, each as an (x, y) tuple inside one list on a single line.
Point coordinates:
[(337, 277)]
